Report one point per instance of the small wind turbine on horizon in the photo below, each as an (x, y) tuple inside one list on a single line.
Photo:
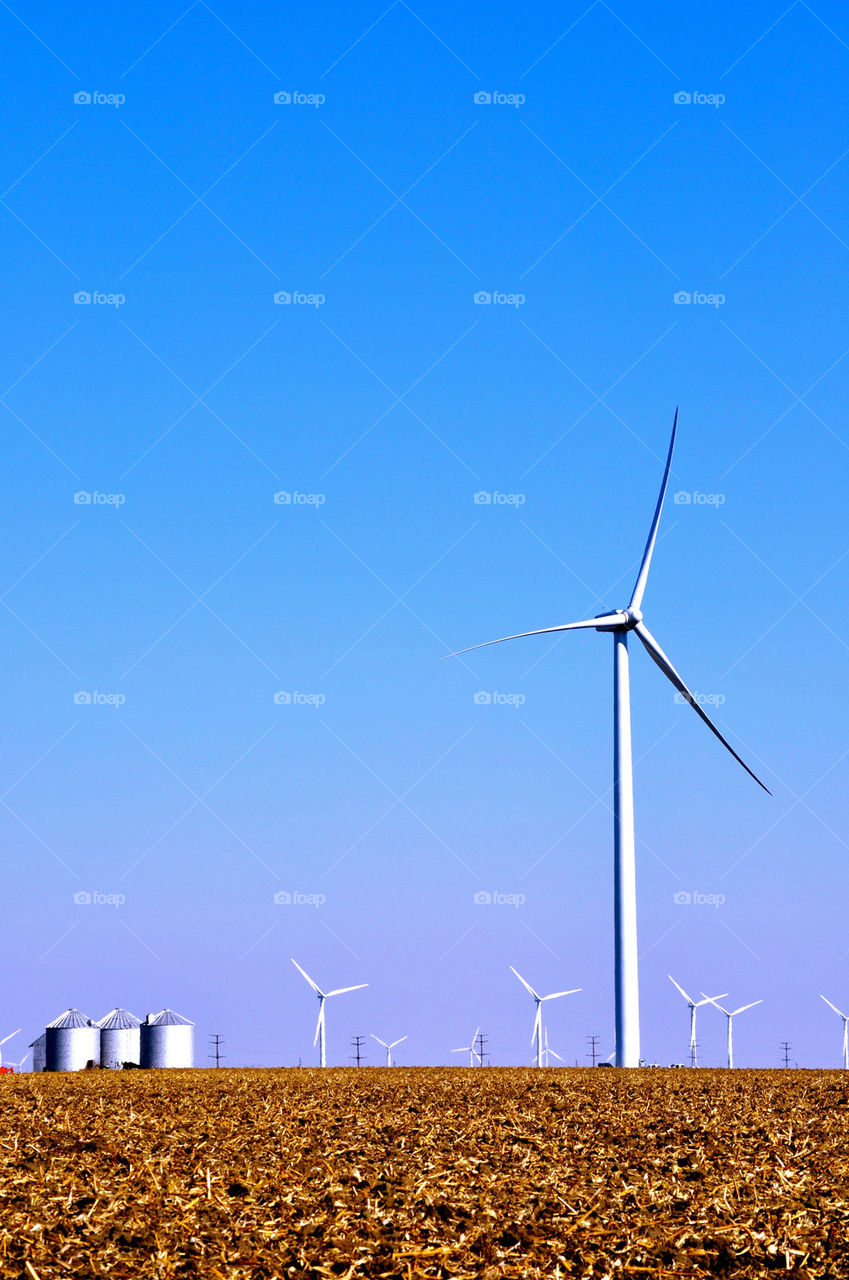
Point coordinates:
[(845, 1031), (322, 997), (387, 1047), (619, 623), (549, 1052), (694, 1005), (536, 1034), (731, 1016), (19, 1066), (471, 1050), (3, 1041)]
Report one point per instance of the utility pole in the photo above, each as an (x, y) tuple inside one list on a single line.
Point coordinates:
[(217, 1042), (592, 1041), (786, 1046), (357, 1042), (481, 1050)]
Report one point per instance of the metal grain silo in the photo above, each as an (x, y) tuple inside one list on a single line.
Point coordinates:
[(167, 1040), (119, 1039), (73, 1041), (39, 1052)]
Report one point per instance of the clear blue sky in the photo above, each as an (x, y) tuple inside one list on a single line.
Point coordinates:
[(195, 598)]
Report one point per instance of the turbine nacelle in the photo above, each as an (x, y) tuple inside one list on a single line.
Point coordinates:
[(620, 619)]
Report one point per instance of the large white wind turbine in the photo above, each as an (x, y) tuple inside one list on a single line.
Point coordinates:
[(471, 1050), (845, 1030), (619, 623), (322, 996), (387, 1047), (731, 1016), (8, 1037), (536, 1034), (694, 1005)]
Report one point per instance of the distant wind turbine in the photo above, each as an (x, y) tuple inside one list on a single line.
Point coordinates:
[(471, 1050), (536, 1034), (731, 1016), (845, 1030), (5, 1038), (549, 1052), (619, 623), (387, 1047), (322, 997), (694, 1005)]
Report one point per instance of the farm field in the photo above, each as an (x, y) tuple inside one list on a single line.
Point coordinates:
[(425, 1172)]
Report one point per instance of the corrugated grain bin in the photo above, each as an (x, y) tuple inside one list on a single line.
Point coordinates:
[(167, 1040), (119, 1039), (39, 1052), (72, 1042)]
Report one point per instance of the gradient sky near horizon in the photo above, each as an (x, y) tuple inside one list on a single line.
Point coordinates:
[(227, 724)]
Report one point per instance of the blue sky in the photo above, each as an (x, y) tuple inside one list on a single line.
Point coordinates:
[(582, 168)]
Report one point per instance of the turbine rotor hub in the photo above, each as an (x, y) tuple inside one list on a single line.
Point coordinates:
[(634, 616)]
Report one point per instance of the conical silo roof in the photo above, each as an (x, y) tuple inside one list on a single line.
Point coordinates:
[(168, 1018), (119, 1020), (71, 1018)]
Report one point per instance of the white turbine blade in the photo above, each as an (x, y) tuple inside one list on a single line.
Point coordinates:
[(710, 999), (383, 1042), (394, 1042), (467, 1048), (474, 1038), (744, 1007), (683, 992), (340, 991), (714, 1001), (828, 1002), (527, 985), (659, 657), (9, 1037), (642, 576), (553, 1053), (317, 989), (604, 619), (555, 995)]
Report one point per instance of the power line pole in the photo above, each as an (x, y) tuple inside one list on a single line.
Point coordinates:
[(592, 1041), (786, 1046), (481, 1050), (358, 1042), (217, 1042)]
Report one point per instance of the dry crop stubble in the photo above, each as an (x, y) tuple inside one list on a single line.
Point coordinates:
[(430, 1172)]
